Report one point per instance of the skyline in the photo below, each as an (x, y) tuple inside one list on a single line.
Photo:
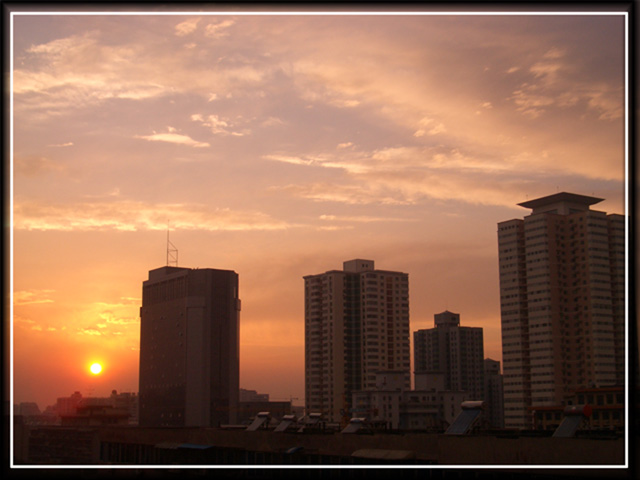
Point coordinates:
[(281, 146)]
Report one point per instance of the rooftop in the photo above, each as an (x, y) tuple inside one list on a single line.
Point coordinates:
[(562, 197)]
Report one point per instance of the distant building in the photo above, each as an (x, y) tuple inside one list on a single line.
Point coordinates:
[(27, 409), (457, 352), (68, 405), (356, 325), (429, 407), (127, 401), (493, 394), (118, 408), (95, 415), (189, 347), (253, 396), (562, 297)]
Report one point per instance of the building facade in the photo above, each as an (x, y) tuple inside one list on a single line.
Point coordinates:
[(455, 351), (356, 324), (562, 298), (189, 347), (607, 410), (428, 407)]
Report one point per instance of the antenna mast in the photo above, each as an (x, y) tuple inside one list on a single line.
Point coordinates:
[(172, 251)]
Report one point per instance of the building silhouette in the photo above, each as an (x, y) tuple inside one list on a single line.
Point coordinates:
[(562, 297), (189, 347), (356, 325), (493, 394), (456, 352)]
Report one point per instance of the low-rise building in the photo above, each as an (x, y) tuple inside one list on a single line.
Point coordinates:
[(607, 409), (429, 407), (96, 415)]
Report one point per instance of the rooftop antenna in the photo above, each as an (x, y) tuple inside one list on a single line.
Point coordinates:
[(172, 251)]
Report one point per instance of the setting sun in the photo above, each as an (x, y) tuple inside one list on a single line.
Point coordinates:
[(96, 368)]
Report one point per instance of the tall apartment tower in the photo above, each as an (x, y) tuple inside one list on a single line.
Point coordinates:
[(356, 325), (189, 348), (562, 300), (455, 351)]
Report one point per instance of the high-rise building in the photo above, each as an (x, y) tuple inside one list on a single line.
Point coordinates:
[(189, 347), (356, 325), (455, 351), (562, 299)]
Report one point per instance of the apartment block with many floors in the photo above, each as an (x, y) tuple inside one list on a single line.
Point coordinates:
[(457, 352), (562, 297), (356, 325)]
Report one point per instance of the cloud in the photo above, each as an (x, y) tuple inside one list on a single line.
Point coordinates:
[(347, 194), (530, 102), (362, 219), (410, 175), (606, 102), (136, 216), (85, 70), (187, 27), (292, 159), (68, 144), (174, 138), (31, 297), (218, 126), (89, 331), (218, 30), (273, 122), (81, 72), (553, 85), (430, 126), (109, 317)]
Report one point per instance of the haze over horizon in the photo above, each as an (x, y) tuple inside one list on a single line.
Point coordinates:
[(280, 146)]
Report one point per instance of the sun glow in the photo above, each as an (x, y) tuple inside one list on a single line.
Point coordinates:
[(96, 368)]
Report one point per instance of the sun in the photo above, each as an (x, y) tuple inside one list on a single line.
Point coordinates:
[(96, 368)]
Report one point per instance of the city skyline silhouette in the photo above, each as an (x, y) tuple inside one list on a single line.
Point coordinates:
[(278, 146)]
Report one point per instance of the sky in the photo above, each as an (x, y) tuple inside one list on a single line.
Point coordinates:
[(280, 146)]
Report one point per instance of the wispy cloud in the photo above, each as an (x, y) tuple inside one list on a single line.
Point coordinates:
[(362, 219), (135, 216), (176, 138), (218, 126), (31, 297), (187, 27), (218, 30), (348, 194), (552, 85), (89, 331)]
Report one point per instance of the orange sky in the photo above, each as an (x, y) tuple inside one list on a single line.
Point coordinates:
[(281, 146)]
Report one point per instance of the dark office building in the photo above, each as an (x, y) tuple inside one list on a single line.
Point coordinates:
[(189, 347)]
